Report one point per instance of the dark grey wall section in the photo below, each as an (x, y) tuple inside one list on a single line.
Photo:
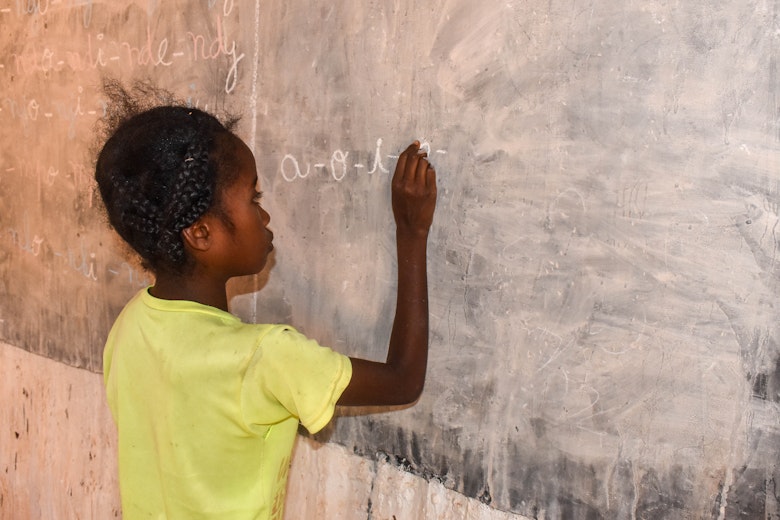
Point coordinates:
[(603, 265)]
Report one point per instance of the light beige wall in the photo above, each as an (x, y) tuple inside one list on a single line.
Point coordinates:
[(57, 459), (57, 441)]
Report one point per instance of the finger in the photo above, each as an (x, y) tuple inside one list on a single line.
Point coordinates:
[(422, 167), (430, 179), (410, 172), (403, 159)]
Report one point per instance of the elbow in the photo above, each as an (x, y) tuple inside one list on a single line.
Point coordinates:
[(409, 392), (412, 380), (415, 395)]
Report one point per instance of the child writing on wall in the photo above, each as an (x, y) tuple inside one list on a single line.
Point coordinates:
[(207, 407)]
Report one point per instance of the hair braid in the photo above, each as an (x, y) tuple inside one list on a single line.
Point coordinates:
[(160, 170), (191, 198), (140, 216)]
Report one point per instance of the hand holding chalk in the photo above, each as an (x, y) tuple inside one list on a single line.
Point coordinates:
[(414, 192)]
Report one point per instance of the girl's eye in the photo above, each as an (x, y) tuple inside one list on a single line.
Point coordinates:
[(258, 197)]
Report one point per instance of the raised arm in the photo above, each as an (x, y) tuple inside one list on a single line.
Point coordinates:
[(400, 379)]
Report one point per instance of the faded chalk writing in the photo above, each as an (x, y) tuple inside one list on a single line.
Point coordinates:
[(31, 110), (42, 7), (96, 50), (130, 275), (80, 261), (216, 48), (631, 200), (25, 239)]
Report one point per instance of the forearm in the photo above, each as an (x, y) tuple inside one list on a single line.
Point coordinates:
[(408, 349), (400, 379)]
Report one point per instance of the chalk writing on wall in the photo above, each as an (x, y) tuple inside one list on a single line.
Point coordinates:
[(56, 242), (341, 165)]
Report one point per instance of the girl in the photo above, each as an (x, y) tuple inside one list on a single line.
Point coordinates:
[(207, 407)]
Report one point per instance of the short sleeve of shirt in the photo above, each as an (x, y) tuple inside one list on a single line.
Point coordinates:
[(291, 375)]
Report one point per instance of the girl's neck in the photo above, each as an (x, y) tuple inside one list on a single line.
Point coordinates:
[(205, 292)]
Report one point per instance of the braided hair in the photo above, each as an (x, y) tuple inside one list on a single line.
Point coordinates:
[(160, 170)]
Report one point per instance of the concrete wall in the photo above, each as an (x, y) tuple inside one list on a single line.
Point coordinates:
[(58, 445), (57, 442), (603, 265)]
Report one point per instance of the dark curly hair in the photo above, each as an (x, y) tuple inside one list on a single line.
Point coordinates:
[(160, 169)]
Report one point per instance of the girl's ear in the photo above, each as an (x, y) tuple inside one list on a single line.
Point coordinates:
[(198, 235)]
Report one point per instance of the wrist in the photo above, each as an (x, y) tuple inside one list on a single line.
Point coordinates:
[(404, 233)]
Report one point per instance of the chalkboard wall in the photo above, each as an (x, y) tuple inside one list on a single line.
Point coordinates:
[(604, 259)]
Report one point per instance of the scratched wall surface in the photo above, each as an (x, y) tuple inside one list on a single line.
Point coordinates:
[(602, 264)]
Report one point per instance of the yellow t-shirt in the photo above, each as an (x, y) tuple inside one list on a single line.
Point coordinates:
[(207, 408)]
